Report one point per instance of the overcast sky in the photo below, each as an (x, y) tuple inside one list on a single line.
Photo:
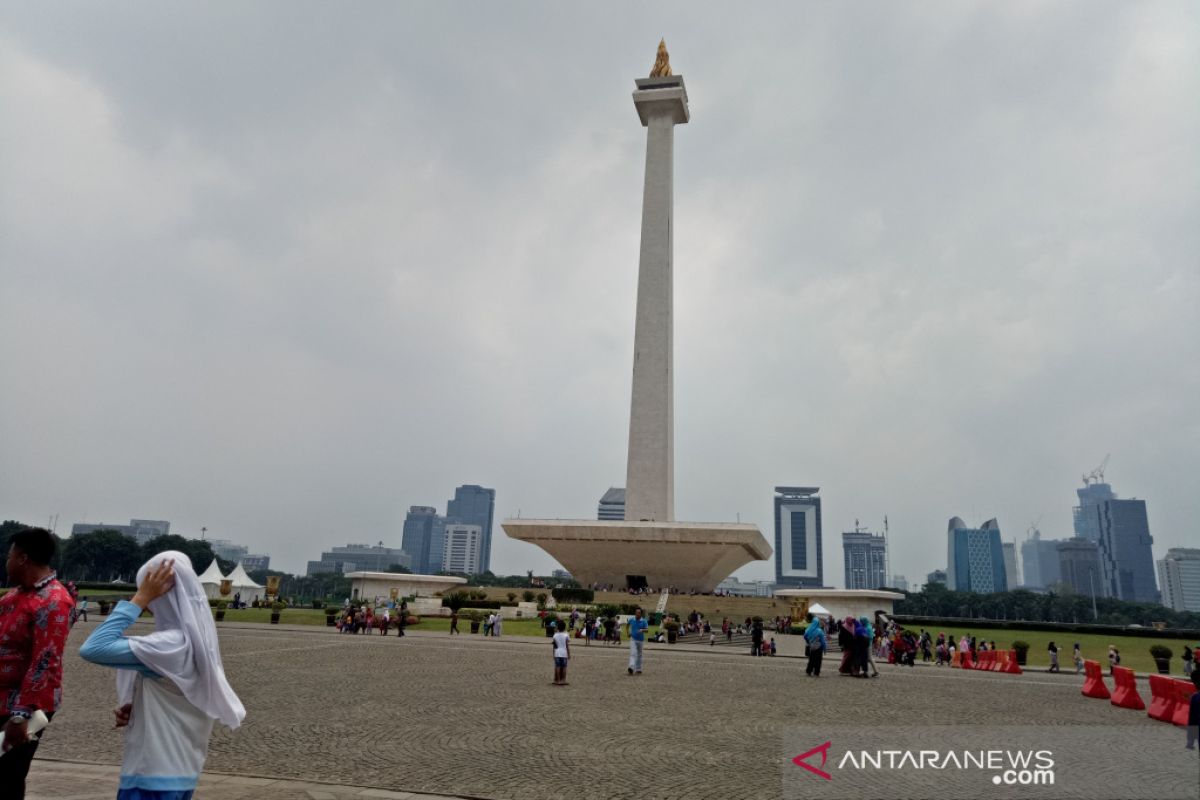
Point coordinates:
[(284, 270)]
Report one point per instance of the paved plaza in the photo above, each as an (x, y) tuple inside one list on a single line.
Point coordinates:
[(475, 717)]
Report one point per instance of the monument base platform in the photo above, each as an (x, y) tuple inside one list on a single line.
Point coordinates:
[(684, 555)]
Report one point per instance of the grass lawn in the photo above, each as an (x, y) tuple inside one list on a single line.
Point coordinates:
[(1135, 650), (289, 616)]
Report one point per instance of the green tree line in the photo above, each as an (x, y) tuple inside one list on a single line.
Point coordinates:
[(1061, 605), (109, 555)]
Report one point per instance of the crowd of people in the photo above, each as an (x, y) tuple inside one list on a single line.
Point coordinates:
[(366, 618)]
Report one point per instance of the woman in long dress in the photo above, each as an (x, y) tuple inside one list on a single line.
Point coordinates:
[(171, 686)]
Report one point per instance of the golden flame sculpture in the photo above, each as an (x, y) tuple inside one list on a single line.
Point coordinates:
[(662, 62)]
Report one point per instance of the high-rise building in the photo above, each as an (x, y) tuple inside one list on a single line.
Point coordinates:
[(798, 538), (975, 558), (461, 549), (1039, 561), (359, 558), (422, 539), (1126, 558), (1087, 520), (612, 504), (900, 582), (937, 576), (1010, 562), (475, 505), (255, 561), (1179, 578), (1079, 565), (227, 550), (865, 557)]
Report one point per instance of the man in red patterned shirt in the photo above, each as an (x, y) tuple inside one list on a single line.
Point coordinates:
[(35, 617)]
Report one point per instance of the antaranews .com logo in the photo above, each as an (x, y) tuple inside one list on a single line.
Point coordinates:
[(1006, 767), (987, 762)]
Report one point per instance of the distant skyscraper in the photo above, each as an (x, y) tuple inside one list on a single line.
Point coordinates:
[(254, 561), (975, 558), (462, 547), (612, 505), (1079, 565), (1126, 557), (475, 505), (865, 558), (900, 582), (1010, 563), (937, 576), (1086, 514), (798, 537), (423, 539), (227, 550), (1039, 562), (1179, 578)]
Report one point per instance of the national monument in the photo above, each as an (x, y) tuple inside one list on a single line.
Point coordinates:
[(649, 548)]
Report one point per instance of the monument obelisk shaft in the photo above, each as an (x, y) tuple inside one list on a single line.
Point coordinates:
[(661, 103)]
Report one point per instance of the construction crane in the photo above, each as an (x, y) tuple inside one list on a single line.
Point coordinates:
[(1096, 475), (1033, 531)]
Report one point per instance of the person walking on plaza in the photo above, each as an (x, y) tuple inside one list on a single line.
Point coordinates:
[(171, 686), (562, 653), (1188, 664), (35, 618), (815, 644), (1114, 658), (756, 638), (1077, 657), (453, 621), (846, 643), (498, 625), (637, 639), (1053, 651), (868, 663)]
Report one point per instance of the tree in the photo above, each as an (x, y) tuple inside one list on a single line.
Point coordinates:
[(400, 568), (198, 551), (102, 555)]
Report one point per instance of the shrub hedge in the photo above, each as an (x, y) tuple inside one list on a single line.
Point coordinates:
[(572, 594)]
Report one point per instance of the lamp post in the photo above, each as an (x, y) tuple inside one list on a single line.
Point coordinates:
[(202, 532)]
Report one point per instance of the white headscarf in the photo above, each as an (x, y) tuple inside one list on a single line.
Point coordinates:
[(183, 647)]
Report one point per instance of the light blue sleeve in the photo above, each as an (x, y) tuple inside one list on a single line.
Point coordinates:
[(107, 647)]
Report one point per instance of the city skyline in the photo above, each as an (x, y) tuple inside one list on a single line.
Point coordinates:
[(289, 349)]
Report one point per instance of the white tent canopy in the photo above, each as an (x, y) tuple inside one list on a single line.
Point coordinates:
[(243, 585), (818, 610), (211, 581)]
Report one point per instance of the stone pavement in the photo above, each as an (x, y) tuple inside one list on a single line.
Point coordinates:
[(75, 780), (474, 717)]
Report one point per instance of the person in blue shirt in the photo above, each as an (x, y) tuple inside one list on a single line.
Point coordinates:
[(814, 637), (171, 686), (637, 639)]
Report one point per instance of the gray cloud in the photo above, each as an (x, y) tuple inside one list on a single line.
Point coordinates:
[(284, 275)]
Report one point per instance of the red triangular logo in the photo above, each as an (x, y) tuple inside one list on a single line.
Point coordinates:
[(823, 749)]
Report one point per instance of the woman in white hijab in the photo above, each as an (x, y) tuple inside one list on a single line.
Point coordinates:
[(171, 686)]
